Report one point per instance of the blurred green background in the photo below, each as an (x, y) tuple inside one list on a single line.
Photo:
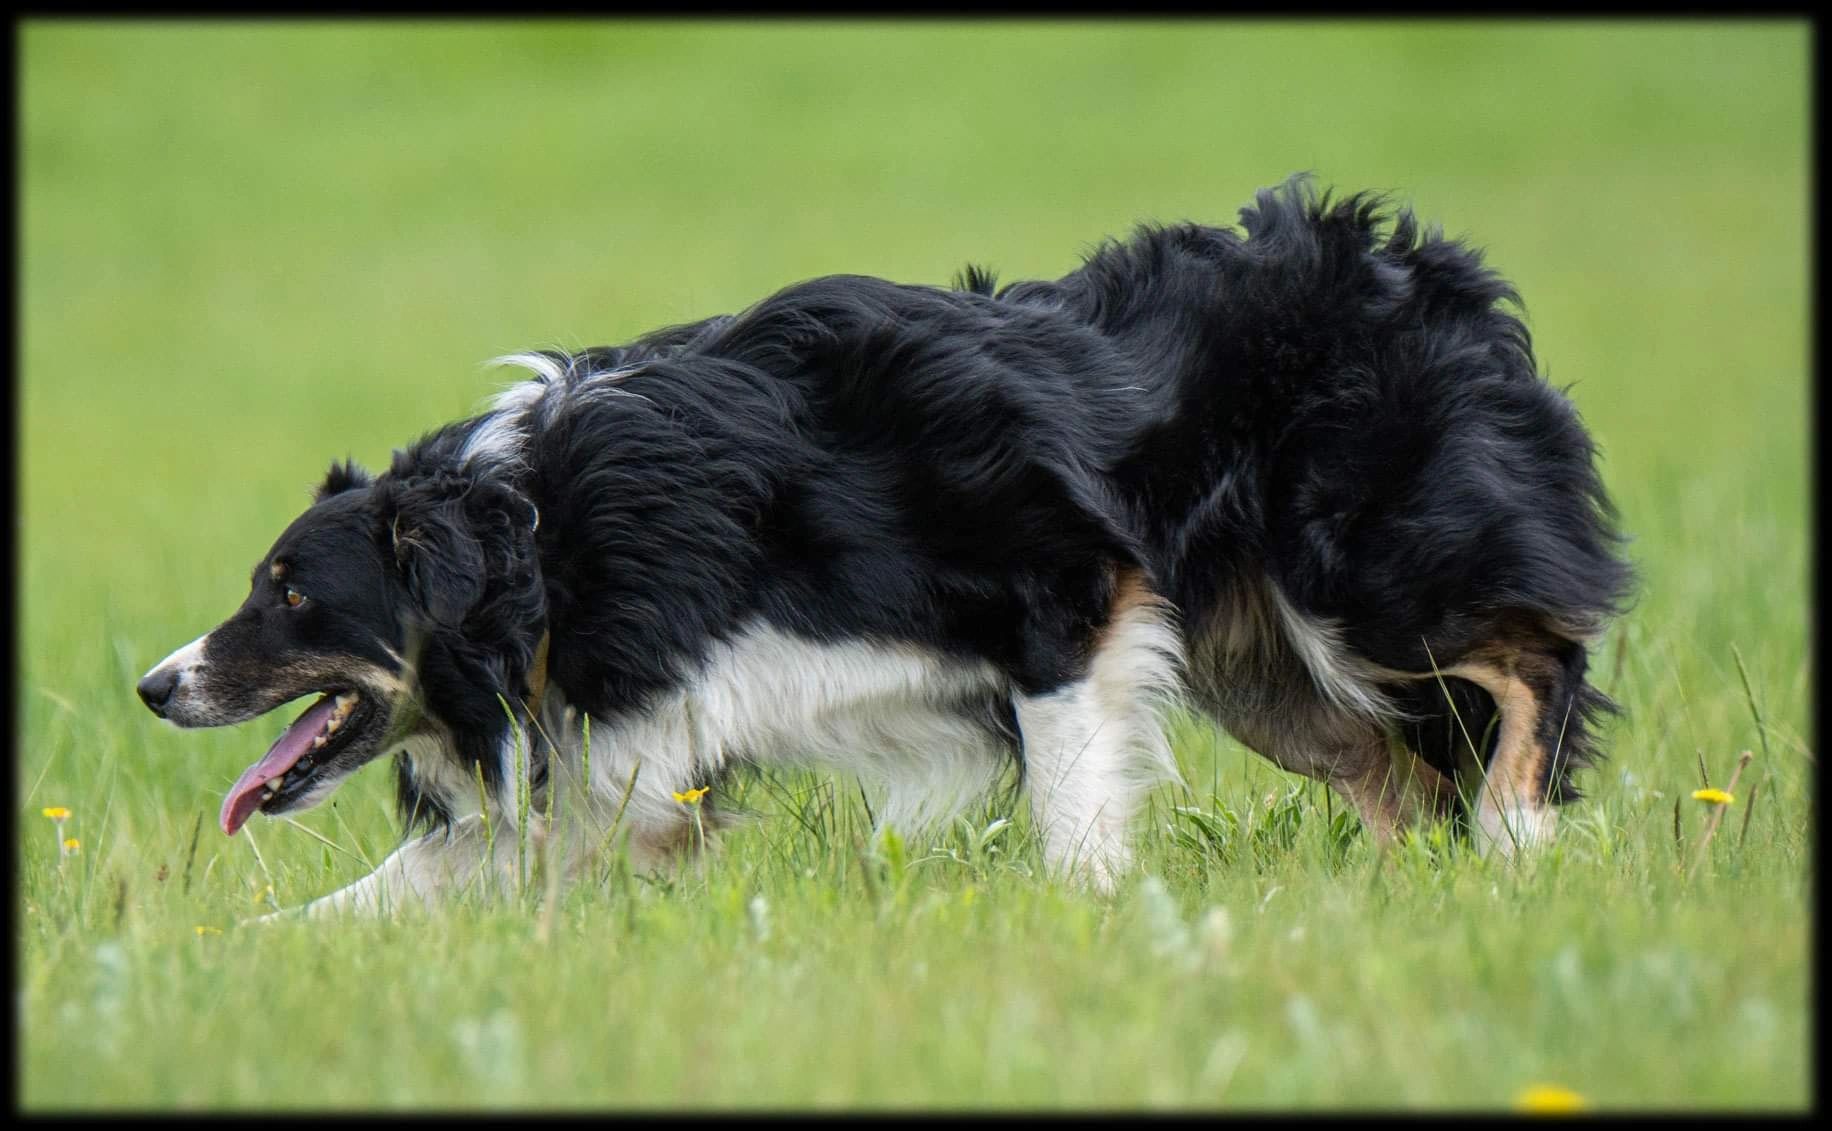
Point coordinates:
[(250, 248)]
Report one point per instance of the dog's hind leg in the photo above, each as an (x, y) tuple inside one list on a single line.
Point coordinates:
[(1094, 745), (1536, 678), (1512, 811), (1390, 787), (1256, 688)]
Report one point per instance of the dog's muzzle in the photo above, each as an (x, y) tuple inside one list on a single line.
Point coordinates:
[(156, 687), (160, 688)]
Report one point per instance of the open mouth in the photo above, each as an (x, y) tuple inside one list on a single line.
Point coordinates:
[(285, 773)]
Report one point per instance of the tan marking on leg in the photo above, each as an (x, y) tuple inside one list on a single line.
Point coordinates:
[(1137, 654), (1511, 813), (1132, 599), (1094, 746)]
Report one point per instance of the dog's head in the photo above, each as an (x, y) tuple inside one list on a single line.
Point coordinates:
[(377, 584)]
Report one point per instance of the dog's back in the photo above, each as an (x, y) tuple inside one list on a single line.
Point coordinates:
[(1324, 445)]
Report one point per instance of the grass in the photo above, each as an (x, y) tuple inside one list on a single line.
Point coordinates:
[(247, 249)]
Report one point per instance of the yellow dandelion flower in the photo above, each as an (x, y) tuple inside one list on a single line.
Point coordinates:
[(265, 893), (73, 846), (1549, 1099), (202, 931), (57, 813), (1712, 796), (692, 796)]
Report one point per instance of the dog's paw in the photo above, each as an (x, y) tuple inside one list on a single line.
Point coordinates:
[(283, 916)]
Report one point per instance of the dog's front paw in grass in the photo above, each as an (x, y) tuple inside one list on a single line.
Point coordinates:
[(272, 917)]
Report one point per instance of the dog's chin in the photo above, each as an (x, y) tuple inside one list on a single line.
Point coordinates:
[(337, 735)]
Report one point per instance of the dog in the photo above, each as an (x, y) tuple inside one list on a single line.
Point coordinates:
[(1307, 480)]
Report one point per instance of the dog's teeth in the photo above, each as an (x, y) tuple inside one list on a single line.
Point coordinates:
[(343, 705), (317, 742)]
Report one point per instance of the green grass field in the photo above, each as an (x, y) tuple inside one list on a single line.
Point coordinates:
[(249, 249)]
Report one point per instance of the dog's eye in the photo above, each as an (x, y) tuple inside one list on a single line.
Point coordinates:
[(294, 598)]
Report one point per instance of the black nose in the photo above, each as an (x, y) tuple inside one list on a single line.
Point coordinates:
[(156, 689)]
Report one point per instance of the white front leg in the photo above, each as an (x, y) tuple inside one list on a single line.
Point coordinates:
[(419, 872), (1093, 747)]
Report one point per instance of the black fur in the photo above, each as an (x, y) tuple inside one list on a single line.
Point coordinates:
[(1343, 405)]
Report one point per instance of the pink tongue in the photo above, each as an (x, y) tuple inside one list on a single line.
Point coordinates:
[(245, 795)]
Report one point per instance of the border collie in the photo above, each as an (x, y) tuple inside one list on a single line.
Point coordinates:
[(1307, 480)]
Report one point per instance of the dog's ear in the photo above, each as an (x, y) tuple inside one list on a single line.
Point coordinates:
[(440, 562), (345, 476), (456, 541)]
